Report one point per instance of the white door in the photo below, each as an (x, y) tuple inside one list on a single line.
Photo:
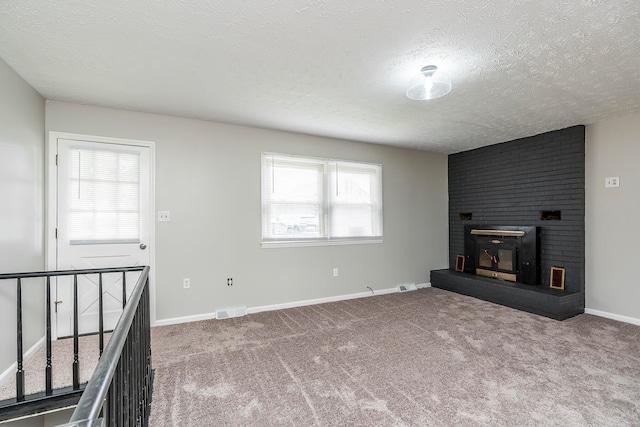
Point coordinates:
[(103, 192)]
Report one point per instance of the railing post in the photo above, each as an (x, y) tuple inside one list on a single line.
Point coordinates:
[(124, 289), (119, 382), (48, 368), (19, 370), (139, 355), (146, 356), (76, 362), (126, 397), (100, 314)]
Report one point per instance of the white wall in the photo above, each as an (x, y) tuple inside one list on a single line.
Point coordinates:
[(612, 236), (21, 208), (208, 177)]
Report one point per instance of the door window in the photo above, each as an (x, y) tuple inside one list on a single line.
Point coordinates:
[(104, 196)]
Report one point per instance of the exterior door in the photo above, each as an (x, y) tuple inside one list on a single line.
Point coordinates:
[(103, 192)]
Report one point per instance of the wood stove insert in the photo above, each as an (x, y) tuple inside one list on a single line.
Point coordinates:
[(503, 252)]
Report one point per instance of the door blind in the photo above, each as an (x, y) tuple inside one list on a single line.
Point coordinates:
[(104, 196)]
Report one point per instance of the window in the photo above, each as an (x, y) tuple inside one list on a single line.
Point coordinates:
[(104, 196), (310, 201)]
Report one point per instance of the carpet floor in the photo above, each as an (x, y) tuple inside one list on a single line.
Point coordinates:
[(62, 366), (428, 357)]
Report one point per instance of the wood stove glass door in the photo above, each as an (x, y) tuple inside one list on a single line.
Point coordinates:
[(505, 259)]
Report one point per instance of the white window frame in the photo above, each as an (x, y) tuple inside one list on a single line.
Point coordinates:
[(326, 168)]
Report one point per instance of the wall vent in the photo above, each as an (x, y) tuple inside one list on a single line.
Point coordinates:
[(407, 287), (228, 313)]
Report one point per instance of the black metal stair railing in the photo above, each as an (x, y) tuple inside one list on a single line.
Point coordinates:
[(119, 392), (28, 404)]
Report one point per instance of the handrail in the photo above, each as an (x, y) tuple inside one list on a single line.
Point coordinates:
[(68, 272), (95, 392)]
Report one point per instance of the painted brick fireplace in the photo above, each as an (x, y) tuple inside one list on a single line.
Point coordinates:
[(531, 182)]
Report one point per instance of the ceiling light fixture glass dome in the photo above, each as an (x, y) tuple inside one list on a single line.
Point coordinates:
[(431, 85)]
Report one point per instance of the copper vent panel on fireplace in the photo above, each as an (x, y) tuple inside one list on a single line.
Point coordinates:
[(497, 233), (496, 274)]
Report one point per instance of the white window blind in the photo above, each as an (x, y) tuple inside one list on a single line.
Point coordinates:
[(355, 193), (314, 200), (104, 196)]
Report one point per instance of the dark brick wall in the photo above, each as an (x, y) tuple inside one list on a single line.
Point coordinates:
[(510, 183)]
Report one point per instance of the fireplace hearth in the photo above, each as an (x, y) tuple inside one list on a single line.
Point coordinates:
[(503, 252), (502, 265)]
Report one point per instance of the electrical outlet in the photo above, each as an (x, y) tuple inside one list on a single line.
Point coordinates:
[(229, 281), (164, 216), (335, 272), (186, 283), (613, 181)]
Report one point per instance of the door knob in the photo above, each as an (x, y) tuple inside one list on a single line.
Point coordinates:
[(143, 246)]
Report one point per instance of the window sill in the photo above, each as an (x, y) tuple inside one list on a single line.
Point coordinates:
[(303, 243)]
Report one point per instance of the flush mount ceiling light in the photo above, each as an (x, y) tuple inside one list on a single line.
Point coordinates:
[(431, 85)]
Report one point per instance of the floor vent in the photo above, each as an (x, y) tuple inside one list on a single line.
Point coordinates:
[(228, 313), (407, 287)]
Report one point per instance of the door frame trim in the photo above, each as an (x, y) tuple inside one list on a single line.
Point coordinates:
[(51, 203)]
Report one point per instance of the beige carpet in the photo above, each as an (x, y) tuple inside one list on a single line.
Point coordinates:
[(62, 366), (423, 358)]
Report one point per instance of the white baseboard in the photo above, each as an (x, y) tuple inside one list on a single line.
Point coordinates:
[(613, 316), (314, 301), (293, 304), (185, 319), (11, 370)]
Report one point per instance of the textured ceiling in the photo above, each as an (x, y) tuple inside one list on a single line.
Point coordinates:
[(338, 68)]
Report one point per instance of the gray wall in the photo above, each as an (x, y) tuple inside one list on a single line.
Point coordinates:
[(21, 208), (510, 183), (196, 154), (613, 149), (208, 177)]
